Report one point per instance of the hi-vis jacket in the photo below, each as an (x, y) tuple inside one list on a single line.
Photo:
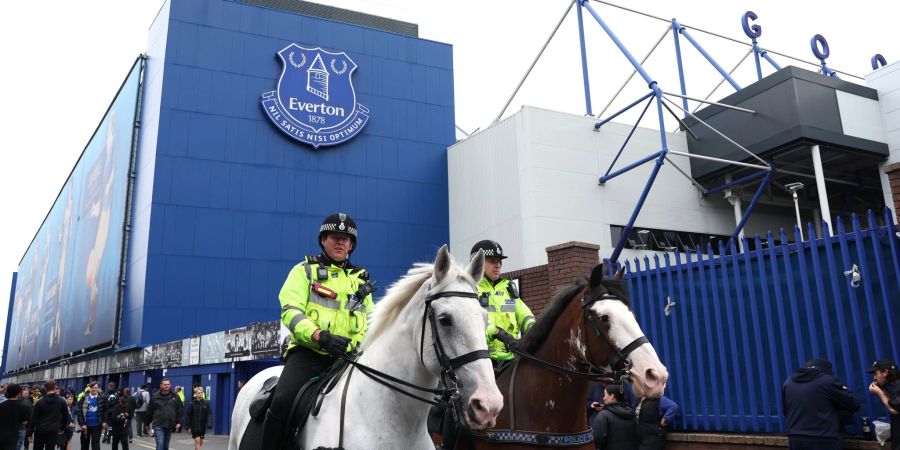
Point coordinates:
[(505, 310), (316, 296)]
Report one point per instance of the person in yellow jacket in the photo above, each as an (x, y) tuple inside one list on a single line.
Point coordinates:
[(508, 316), (325, 302)]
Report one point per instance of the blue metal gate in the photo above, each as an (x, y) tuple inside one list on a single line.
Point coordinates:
[(743, 322)]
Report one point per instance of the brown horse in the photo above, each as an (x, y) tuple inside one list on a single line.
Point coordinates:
[(588, 333)]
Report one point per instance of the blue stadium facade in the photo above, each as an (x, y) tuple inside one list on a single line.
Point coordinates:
[(224, 203)]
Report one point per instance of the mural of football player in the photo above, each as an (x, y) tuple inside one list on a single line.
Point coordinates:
[(98, 201), (63, 239)]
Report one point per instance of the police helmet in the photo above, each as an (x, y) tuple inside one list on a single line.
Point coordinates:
[(339, 223), (491, 249)]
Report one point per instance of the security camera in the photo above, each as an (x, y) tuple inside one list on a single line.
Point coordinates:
[(794, 187)]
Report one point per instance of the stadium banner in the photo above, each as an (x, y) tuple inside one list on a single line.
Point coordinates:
[(67, 289)]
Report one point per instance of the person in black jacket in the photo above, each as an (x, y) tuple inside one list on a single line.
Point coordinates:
[(814, 400), (614, 427), (196, 416), (48, 419), (14, 415), (164, 414), (120, 420), (92, 413), (886, 386)]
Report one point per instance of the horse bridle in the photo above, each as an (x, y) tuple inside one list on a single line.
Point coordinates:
[(448, 365), (620, 363), (447, 397)]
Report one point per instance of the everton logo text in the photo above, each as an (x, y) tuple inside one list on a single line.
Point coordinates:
[(315, 101)]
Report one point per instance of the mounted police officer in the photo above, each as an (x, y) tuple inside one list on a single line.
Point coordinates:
[(324, 305), (508, 316), (508, 319)]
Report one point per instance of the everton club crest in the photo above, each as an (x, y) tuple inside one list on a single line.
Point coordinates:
[(315, 101)]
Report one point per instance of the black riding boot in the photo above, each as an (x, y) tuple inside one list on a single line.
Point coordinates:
[(273, 432)]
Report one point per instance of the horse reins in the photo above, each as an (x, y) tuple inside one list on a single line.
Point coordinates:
[(448, 397), (595, 373)]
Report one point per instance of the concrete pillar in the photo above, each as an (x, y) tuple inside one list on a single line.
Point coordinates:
[(820, 187)]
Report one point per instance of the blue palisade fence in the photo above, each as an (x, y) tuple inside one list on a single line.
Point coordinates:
[(744, 321)]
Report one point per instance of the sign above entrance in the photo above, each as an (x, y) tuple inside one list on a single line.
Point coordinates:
[(314, 101)]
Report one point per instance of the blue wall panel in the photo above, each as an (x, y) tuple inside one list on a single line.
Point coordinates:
[(236, 203)]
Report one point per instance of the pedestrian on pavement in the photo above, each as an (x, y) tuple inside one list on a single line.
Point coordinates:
[(112, 397), (120, 420), (48, 419), (814, 400), (14, 416), (196, 416), (92, 413), (25, 397), (654, 416), (3, 392), (886, 386), (164, 414), (614, 427), (65, 443), (132, 406), (142, 400)]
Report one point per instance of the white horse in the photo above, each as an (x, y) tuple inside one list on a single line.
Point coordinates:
[(376, 416)]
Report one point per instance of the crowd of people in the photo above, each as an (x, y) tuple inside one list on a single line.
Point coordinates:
[(48, 416), (817, 404), (621, 421)]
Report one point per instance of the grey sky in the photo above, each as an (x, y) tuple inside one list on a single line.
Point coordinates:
[(64, 61)]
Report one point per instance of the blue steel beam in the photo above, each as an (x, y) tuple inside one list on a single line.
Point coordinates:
[(637, 66), (637, 209), (768, 58), (640, 162), (628, 138), (630, 105), (680, 65), (682, 30), (753, 201), (584, 66), (737, 182)]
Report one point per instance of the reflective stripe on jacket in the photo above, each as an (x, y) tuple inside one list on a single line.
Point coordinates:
[(305, 309), (504, 311)]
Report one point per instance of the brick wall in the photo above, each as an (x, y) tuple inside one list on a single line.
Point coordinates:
[(566, 263), (893, 172)]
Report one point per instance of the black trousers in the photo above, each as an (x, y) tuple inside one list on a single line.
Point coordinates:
[(895, 432), (90, 438), (301, 365), (120, 436), (45, 441)]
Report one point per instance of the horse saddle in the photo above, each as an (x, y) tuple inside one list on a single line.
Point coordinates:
[(307, 402)]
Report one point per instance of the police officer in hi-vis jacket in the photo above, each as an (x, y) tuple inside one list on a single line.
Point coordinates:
[(324, 304), (508, 316)]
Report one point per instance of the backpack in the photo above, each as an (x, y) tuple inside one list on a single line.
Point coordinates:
[(139, 395)]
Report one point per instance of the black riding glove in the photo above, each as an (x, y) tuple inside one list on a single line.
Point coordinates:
[(504, 337), (335, 345)]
